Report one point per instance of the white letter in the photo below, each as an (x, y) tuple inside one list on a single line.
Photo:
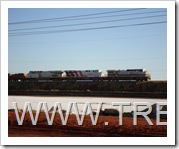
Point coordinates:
[(158, 112), (121, 104), (64, 120), (80, 121), (87, 106), (27, 105), (50, 121), (94, 120), (144, 114)]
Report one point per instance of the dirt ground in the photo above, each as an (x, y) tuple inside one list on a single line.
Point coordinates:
[(72, 129)]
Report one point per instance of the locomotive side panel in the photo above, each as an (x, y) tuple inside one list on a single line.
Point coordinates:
[(33, 74), (92, 73), (44, 74), (52, 74), (83, 73), (130, 74), (74, 73)]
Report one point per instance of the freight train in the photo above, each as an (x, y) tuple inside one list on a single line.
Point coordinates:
[(82, 75)]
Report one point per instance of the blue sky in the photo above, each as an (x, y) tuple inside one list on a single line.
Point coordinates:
[(138, 46)]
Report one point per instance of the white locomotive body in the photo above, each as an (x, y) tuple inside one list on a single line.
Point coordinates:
[(44, 74), (34, 74), (130, 73), (83, 73)]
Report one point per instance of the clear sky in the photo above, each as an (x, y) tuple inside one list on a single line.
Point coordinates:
[(82, 39)]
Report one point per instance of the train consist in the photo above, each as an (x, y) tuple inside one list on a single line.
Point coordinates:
[(82, 75)]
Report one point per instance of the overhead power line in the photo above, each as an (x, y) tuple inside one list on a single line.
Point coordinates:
[(83, 18), (75, 16), (88, 23), (108, 16), (84, 29)]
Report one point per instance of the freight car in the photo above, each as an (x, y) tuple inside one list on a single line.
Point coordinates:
[(82, 75), (16, 77)]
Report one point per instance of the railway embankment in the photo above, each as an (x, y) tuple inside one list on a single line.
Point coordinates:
[(148, 89)]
